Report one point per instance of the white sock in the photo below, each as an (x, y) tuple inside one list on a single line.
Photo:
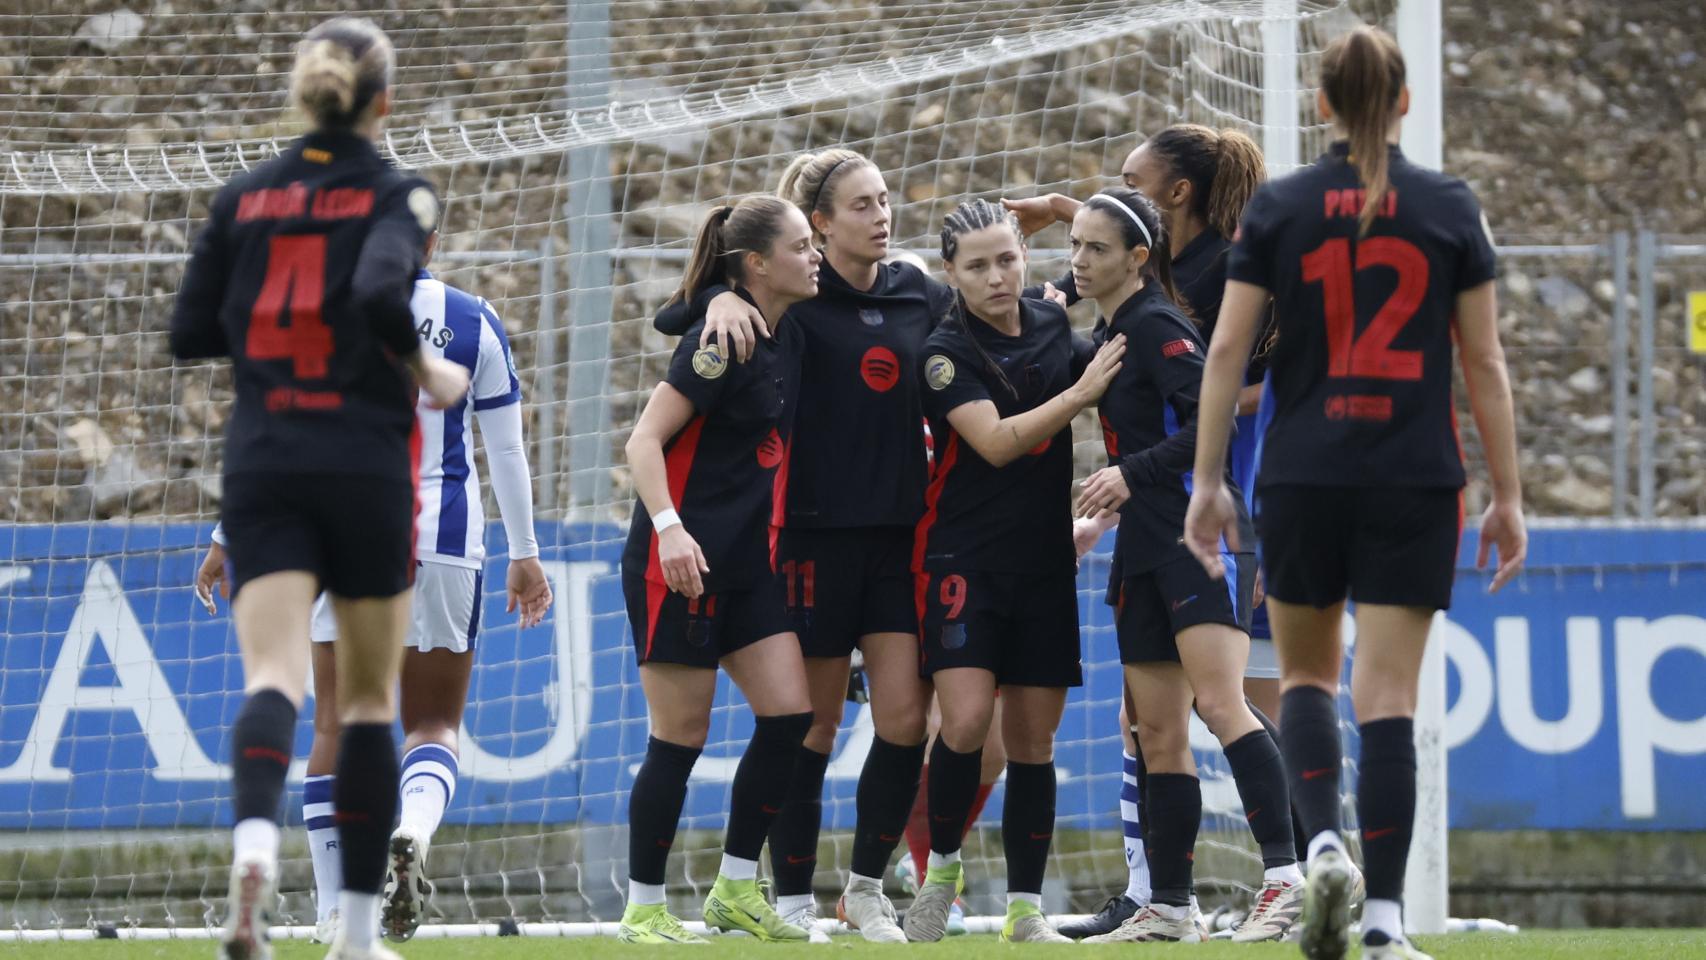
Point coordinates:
[(1171, 912), (360, 921), (645, 894), (1323, 840), (792, 902), (854, 879), (942, 859), (1137, 888), (317, 814), (1387, 916), (735, 868), (1034, 899), (428, 782), (255, 837), (1288, 874)]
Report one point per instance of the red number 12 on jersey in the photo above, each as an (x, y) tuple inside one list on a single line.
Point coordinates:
[(296, 270), (1370, 355)]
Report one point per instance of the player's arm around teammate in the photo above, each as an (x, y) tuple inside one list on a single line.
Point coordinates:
[(318, 484), (994, 559), (1369, 259), (697, 575)]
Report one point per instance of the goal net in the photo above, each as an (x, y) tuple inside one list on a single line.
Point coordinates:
[(576, 146)]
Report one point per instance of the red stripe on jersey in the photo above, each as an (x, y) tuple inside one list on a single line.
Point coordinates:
[(779, 501), (415, 478), (677, 464), (921, 535)]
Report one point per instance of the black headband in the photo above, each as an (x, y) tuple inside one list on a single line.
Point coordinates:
[(818, 193)]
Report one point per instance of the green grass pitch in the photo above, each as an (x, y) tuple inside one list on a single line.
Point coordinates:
[(1537, 945)]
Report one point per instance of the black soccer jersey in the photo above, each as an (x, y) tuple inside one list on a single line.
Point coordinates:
[(303, 276), (977, 516), (1360, 379), (1149, 425), (728, 468), (858, 445)]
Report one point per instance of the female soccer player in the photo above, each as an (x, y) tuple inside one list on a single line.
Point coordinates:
[(709, 457), (1183, 638), (445, 616), (318, 472), (1374, 265), (996, 576), (856, 480)]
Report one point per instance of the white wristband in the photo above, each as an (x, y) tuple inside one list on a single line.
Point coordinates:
[(665, 519)]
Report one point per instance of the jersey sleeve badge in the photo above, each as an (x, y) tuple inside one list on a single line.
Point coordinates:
[(709, 362), (938, 372)]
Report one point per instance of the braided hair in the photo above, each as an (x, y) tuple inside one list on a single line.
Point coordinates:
[(969, 217)]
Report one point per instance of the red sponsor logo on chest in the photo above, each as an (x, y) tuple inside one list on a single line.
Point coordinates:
[(880, 369), (1173, 348)]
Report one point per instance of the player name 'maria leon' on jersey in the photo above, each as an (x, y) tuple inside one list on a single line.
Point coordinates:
[(304, 276), (728, 468), (1360, 387)]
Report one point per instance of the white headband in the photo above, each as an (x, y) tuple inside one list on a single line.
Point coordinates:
[(1148, 240)]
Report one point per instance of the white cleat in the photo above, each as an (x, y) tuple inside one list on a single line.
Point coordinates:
[(806, 919), (1326, 906), (407, 890), (250, 903), (341, 950), (1389, 949), (864, 907), (1277, 907), (1149, 925), (326, 930)]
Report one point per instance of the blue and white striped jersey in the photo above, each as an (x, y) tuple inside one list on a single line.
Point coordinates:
[(462, 328)]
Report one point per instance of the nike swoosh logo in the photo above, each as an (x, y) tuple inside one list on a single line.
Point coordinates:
[(770, 810), (888, 839), (1252, 814), (1378, 833), (1314, 774), (941, 819), (1042, 836), (794, 861)]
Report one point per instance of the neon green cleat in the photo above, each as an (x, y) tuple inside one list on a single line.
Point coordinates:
[(927, 918), (653, 923), (740, 905), (1026, 924)]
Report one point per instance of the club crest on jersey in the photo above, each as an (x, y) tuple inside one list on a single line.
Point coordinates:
[(870, 318), (709, 362), (1173, 348), (425, 208), (938, 372)]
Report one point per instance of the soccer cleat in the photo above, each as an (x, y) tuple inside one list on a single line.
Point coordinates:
[(739, 905), (1326, 906), (653, 923), (1276, 909), (341, 950), (326, 931), (1359, 886), (1388, 948), (1149, 925), (957, 918), (407, 890), (250, 902), (865, 908), (806, 919), (1116, 911), (1026, 924), (927, 918)]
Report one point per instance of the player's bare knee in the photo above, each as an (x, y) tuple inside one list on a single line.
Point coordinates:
[(903, 727), (821, 737)]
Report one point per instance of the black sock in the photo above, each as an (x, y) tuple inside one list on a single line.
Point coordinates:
[(261, 743), (953, 787), (1027, 824), (1299, 841), (1175, 810), (1309, 734), (365, 798), (1386, 803), (887, 786), (761, 782), (793, 837), (1256, 768), (654, 807)]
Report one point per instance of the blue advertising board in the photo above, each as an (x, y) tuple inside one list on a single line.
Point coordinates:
[(1576, 695)]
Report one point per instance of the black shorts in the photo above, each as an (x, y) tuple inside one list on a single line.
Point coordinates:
[(844, 584), (1156, 605), (1021, 627), (669, 628), (1386, 545), (354, 532)]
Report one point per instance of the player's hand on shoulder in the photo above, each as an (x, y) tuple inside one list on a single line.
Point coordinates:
[(682, 561), (1099, 373), (528, 588), (1502, 526), (212, 576), (1104, 493), (1054, 294), (1211, 516), (444, 382), (733, 324)]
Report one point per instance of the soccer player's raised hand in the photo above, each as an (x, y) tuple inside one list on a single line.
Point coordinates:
[(1096, 377), (732, 322), (1034, 213), (1211, 515), (444, 382), (211, 576), (1502, 526), (529, 588), (682, 562)]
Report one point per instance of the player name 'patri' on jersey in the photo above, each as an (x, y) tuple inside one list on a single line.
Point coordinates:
[(462, 328)]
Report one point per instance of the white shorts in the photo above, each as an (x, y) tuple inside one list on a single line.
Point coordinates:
[(444, 615), (1264, 662)]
